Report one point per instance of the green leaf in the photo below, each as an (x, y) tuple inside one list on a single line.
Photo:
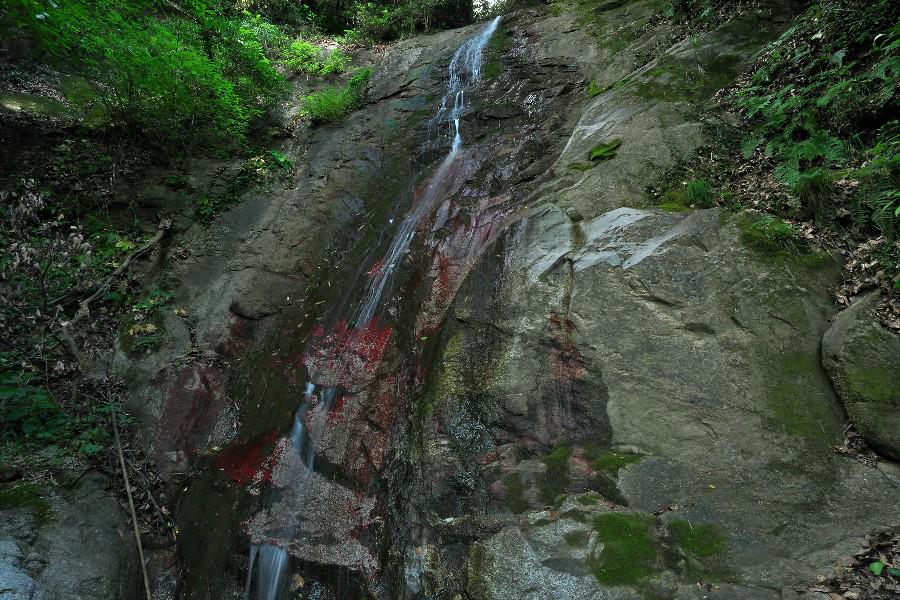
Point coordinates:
[(894, 572), (876, 567)]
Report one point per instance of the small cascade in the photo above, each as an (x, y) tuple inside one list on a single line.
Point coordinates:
[(271, 559)]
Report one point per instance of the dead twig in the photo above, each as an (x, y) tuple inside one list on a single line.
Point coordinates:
[(64, 332), (134, 519)]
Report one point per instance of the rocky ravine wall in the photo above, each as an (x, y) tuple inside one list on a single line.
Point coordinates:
[(573, 396)]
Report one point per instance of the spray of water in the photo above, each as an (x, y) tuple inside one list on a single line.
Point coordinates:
[(271, 559)]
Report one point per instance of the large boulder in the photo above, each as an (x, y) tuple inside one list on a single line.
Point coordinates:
[(863, 360)]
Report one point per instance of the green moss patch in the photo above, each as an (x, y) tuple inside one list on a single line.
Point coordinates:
[(705, 550), (26, 496), (797, 402), (499, 44), (629, 554), (876, 384), (555, 478), (611, 462), (515, 493), (479, 562)]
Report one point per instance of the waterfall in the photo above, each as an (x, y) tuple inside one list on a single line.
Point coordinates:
[(272, 558)]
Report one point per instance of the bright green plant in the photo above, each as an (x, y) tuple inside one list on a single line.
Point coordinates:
[(698, 193), (333, 103), (604, 151), (306, 57)]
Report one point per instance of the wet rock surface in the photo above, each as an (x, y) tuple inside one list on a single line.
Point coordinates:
[(566, 393)]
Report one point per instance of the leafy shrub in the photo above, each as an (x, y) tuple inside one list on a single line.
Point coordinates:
[(306, 57), (192, 74), (820, 101), (392, 19), (33, 419), (333, 103)]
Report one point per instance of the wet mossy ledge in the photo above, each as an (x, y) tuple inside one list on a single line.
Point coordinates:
[(500, 43), (26, 496)]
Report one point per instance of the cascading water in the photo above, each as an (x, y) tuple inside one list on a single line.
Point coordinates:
[(271, 558)]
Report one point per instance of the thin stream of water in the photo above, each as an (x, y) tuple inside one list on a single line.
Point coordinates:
[(271, 559)]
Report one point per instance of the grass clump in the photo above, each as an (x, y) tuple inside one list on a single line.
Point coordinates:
[(605, 151), (333, 103), (306, 57), (696, 193), (555, 478), (630, 554)]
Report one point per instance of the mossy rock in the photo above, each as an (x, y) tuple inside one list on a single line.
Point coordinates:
[(705, 550), (555, 479), (863, 360)]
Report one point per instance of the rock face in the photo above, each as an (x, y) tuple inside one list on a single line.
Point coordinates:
[(567, 393), (863, 360), (65, 544)]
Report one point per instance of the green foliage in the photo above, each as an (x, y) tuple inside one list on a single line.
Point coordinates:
[(555, 478), (630, 554), (142, 331), (593, 89), (819, 102), (33, 419), (256, 173), (333, 103), (515, 493), (306, 57), (184, 75), (392, 19), (29, 412)]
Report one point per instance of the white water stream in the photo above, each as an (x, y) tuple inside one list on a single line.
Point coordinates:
[(271, 559)]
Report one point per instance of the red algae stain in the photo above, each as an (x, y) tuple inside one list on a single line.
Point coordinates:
[(347, 356), (376, 268), (193, 401), (251, 462), (566, 362)]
